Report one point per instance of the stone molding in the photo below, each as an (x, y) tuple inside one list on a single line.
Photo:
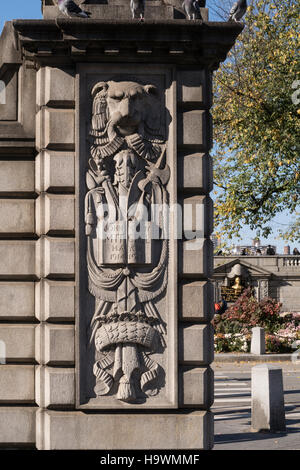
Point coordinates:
[(169, 41)]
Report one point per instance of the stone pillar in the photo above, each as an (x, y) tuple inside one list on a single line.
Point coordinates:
[(268, 412), (258, 342), (120, 112)]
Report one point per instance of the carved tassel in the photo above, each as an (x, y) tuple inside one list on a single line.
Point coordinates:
[(126, 390)]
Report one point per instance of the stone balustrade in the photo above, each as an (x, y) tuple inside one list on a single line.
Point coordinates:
[(292, 261)]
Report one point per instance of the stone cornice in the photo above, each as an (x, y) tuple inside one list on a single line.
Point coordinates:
[(169, 41)]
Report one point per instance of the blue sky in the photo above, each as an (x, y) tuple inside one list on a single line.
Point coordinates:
[(15, 9)]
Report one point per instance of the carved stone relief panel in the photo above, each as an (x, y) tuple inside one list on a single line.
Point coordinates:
[(126, 315), (263, 285)]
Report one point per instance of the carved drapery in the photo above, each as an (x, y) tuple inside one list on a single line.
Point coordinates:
[(127, 269)]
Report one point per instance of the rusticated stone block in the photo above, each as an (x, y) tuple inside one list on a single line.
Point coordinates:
[(16, 384), (194, 87), (19, 342), (196, 387), (196, 258), (54, 344), (55, 171), (55, 387), (77, 430), (17, 259), (9, 95), (55, 258), (55, 129), (197, 217), (17, 425), (55, 215), (17, 300), (17, 216), (56, 87), (196, 344), (195, 172), (55, 300), (196, 301), (194, 128), (16, 176)]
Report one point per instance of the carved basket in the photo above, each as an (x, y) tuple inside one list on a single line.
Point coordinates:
[(124, 332)]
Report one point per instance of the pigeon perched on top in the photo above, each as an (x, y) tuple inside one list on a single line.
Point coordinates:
[(70, 8), (192, 8), (238, 10), (137, 9)]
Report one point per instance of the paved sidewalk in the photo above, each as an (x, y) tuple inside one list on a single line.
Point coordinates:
[(232, 409), (232, 432)]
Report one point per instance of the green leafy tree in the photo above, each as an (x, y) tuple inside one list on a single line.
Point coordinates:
[(256, 123)]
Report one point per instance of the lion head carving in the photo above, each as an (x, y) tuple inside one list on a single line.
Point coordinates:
[(127, 106)]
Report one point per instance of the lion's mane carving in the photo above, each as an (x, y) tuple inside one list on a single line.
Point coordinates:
[(126, 112)]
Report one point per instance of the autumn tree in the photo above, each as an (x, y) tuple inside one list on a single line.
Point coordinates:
[(256, 122)]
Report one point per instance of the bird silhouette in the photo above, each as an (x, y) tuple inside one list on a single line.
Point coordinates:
[(138, 9), (238, 10), (70, 8), (192, 9)]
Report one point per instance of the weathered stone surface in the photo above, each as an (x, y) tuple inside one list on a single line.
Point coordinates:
[(76, 430), (17, 426), (288, 295), (196, 301), (55, 387), (195, 172), (55, 258), (17, 116), (56, 87), (16, 384), (55, 129), (55, 215), (193, 128), (195, 258), (54, 344), (193, 87), (19, 342), (17, 300), (268, 413), (55, 171), (17, 259), (9, 54), (144, 289), (197, 217), (16, 176), (55, 300), (258, 342), (196, 387), (196, 344), (9, 96), (17, 216)]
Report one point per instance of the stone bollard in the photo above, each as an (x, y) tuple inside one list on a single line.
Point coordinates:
[(258, 344), (267, 413)]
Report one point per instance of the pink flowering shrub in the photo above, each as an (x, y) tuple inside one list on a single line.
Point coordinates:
[(246, 313), (233, 328)]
